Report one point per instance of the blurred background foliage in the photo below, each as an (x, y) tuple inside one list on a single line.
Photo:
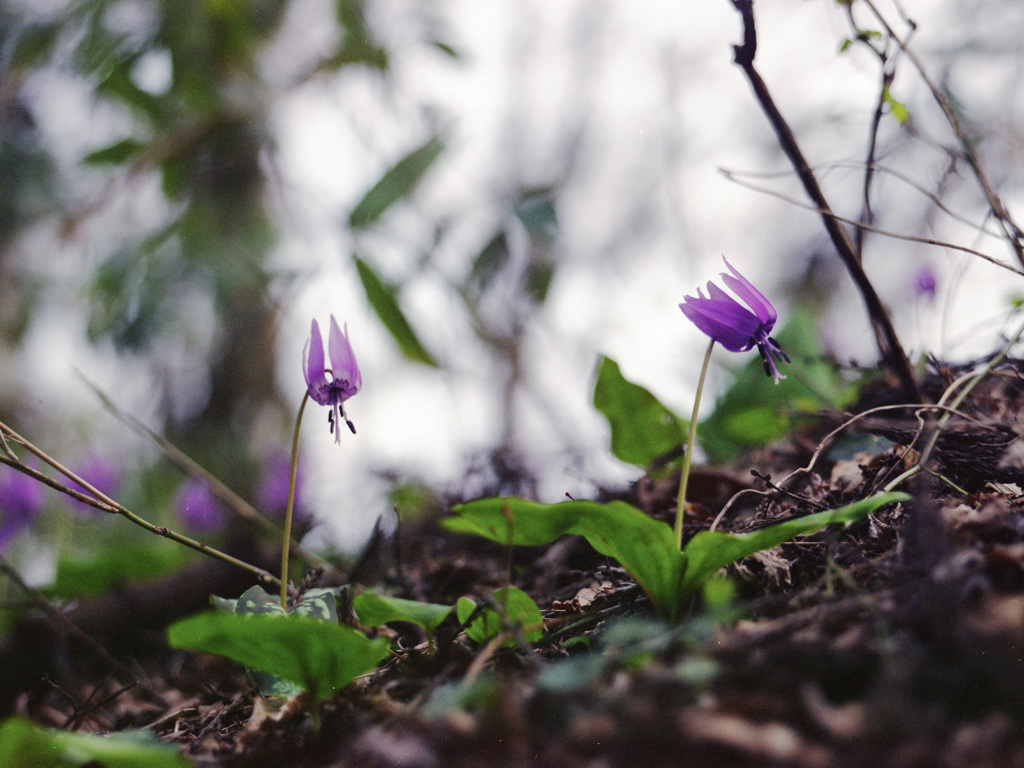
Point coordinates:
[(146, 183)]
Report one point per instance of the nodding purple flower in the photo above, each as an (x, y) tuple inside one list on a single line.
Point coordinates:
[(21, 499), (345, 378), (925, 284), (198, 508), (732, 325)]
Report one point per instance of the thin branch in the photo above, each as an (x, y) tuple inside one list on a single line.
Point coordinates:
[(103, 502), (1014, 235), (39, 600), (190, 466), (888, 342), (731, 176)]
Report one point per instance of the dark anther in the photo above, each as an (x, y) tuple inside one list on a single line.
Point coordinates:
[(330, 420)]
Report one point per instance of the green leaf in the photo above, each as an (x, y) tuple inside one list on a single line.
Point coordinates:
[(374, 610), (316, 655), (315, 604), (755, 411), (896, 108), (114, 154), (23, 745), (519, 611), (318, 604), (645, 547), (642, 428), (258, 600), (710, 550), (397, 183), (385, 303)]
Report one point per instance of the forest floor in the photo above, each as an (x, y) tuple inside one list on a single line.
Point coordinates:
[(897, 641)]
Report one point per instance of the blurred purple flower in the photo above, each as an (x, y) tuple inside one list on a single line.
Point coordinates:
[(198, 508), (21, 499), (100, 474), (272, 494), (345, 377), (925, 284), (732, 325)]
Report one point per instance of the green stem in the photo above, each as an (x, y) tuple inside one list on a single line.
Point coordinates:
[(291, 504), (684, 476)]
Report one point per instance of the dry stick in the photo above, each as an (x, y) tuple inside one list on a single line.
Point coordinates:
[(40, 601), (827, 441), (103, 502), (885, 335), (973, 380), (190, 466), (1010, 229)]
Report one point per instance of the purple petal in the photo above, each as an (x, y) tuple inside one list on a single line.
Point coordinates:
[(313, 355), (343, 360), (726, 322), (199, 509), (752, 297)]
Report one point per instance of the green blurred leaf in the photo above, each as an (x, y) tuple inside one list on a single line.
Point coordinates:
[(374, 610), (316, 655), (487, 265), (536, 210), (755, 411), (642, 429), (23, 745), (710, 550), (385, 303), (114, 154), (397, 183), (896, 108), (88, 572), (519, 611), (645, 547)]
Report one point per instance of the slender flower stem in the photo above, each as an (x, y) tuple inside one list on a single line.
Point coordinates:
[(684, 476), (291, 504)]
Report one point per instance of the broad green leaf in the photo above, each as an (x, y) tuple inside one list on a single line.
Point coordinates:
[(385, 303), (24, 745), (519, 611), (397, 183), (316, 655), (710, 550), (645, 547), (642, 428), (374, 610), (315, 604), (755, 411)]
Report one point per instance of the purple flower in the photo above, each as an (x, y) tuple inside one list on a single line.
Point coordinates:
[(272, 493), (100, 474), (345, 378), (21, 499), (734, 326), (925, 283), (198, 508)]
